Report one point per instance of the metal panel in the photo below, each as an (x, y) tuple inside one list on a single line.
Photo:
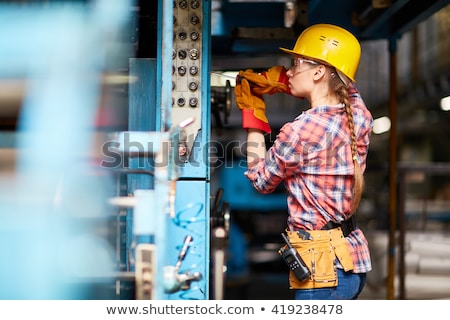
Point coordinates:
[(141, 118), (192, 209)]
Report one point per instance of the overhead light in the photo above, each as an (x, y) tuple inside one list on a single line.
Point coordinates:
[(381, 125), (445, 103), (290, 13)]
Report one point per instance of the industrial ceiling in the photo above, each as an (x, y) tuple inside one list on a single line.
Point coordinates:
[(250, 25)]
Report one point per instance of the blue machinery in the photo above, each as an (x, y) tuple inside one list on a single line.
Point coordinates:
[(175, 265), (55, 208)]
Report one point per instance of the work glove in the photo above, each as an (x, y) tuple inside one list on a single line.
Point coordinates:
[(273, 80), (252, 106)]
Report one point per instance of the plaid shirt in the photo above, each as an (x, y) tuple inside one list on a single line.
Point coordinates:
[(312, 155)]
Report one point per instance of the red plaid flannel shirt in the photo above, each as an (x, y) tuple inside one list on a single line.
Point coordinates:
[(312, 156)]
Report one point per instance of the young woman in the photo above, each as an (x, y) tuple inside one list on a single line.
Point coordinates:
[(320, 156)]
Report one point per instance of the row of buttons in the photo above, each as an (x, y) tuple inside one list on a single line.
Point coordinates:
[(183, 4), (186, 53)]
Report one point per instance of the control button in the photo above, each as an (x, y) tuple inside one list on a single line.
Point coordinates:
[(195, 4), (182, 4), (181, 70), (182, 54), (194, 54), (195, 35), (195, 19), (193, 102), (193, 70), (181, 101), (193, 86), (182, 35)]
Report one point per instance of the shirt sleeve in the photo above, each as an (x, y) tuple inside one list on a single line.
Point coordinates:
[(281, 161)]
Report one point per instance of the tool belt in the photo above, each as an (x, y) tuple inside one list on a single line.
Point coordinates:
[(347, 226), (320, 252)]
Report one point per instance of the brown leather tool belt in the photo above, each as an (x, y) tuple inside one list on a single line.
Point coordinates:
[(320, 251)]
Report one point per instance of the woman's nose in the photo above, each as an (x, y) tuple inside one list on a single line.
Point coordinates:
[(289, 73)]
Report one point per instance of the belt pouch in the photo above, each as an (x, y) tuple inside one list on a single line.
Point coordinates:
[(320, 256)]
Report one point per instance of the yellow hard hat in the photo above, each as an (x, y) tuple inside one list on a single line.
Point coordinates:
[(330, 44)]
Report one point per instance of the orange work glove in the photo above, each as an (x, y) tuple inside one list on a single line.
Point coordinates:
[(252, 106), (274, 80)]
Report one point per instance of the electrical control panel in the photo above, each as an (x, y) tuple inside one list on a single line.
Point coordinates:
[(187, 66)]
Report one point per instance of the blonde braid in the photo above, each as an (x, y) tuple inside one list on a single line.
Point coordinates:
[(358, 178)]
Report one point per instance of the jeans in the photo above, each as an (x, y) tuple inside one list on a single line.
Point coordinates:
[(349, 287)]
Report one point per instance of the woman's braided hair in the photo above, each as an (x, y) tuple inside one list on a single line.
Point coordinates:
[(340, 88)]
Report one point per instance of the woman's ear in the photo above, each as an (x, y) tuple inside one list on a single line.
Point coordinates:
[(319, 72)]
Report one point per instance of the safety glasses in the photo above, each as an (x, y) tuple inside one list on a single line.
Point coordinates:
[(296, 64)]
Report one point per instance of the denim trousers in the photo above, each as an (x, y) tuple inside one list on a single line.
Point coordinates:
[(349, 287)]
